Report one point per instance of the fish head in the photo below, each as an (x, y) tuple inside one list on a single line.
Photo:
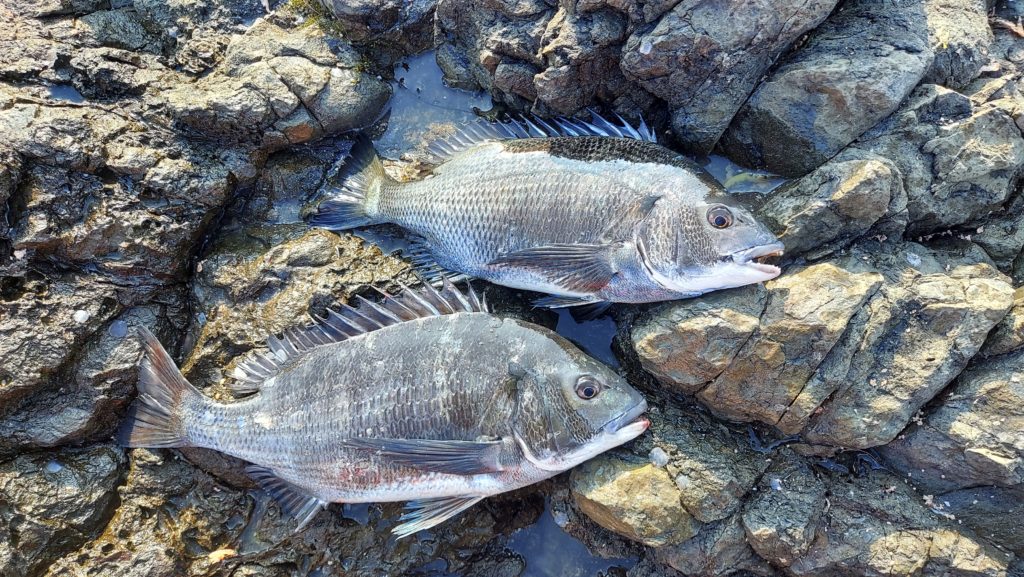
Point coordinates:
[(714, 244), (574, 409)]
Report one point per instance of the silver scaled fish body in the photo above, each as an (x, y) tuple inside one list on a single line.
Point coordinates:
[(423, 397), (586, 212)]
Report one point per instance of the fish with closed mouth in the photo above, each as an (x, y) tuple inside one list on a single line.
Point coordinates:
[(588, 212), (422, 397)]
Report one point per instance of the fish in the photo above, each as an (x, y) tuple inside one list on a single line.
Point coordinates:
[(423, 397), (590, 213)]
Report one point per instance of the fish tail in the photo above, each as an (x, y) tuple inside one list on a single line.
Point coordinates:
[(354, 202), (156, 417)]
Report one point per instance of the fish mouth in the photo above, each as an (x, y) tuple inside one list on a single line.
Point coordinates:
[(758, 257), (629, 420)]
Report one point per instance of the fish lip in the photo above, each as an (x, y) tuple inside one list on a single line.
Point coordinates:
[(627, 418), (747, 257)]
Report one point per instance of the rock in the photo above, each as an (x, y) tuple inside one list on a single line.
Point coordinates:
[(605, 488), (807, 312), (1001, 234), (706, 65), (1009, 333), (877, 526), (826, 94), (781, 518), (975, 438), (993, 512), (409, 25), (959, 35), (719, 549), (119, 29), (277, 87), (959, 161), (836, 204), (686, 344), (914, 336), (53, 503)]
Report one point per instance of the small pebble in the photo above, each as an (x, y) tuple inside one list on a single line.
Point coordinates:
[(658, 456), (776, 483), (53, 467), (683, 482), (81, 316), (118, 329), (561, 519), (645, 46), (913, 259)]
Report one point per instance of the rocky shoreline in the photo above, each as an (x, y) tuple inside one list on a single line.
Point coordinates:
[(862, 414)]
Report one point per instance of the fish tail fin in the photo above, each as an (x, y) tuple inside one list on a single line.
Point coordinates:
[(353, 202), (156, 417)]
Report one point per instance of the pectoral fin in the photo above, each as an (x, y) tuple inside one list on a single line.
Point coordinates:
[(582, 268), (426, 513), (294, 501), (452, 457)]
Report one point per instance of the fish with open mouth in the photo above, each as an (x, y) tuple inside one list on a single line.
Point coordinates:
[(588, 212), (421, 397)]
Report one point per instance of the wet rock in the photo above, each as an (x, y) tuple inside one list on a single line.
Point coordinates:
[(705, 65), (1009, 333), (808, 310), (976, 437), (827, 93), (52, 503), (959, 35), (781, 518), (409, 25), (959, 161), (912, 338), (719, 549), (605, 488), (686, 344), (877, 526), (836, 204)]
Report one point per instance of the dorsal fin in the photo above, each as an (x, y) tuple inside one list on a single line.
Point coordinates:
[(350, 321), (534, 127)]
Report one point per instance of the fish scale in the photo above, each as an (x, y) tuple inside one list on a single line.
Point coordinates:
[(586, 212), (444, 404)]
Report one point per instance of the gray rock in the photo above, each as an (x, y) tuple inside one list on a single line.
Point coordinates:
[(781, 519), (993, 512), (976, 437), (705, 64), (836, 204), (960, 37), (1009, 333), (407, 24), (916, 334), (959, 161), (827, 93), (53, 503), (720, 549)]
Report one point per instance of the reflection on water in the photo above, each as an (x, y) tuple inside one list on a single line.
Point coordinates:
[(737, 179), (594, 336), (551, 552), (66, 92), (422, 100)]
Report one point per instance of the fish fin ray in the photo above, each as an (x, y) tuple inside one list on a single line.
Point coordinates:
[(154, 419), (452, 457), (348, 321), (426, 513), (295, 502), (580, 268), (351, 185), (528, 126)]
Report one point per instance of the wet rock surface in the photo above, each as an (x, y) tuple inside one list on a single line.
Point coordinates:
[(859, 415)]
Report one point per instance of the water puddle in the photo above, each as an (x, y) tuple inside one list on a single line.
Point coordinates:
[(66, 92)]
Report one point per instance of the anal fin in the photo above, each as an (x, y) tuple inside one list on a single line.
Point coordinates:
[(294, 501), (426, 513)]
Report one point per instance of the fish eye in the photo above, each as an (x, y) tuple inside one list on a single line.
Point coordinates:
[(587, 387), (720, 216)]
